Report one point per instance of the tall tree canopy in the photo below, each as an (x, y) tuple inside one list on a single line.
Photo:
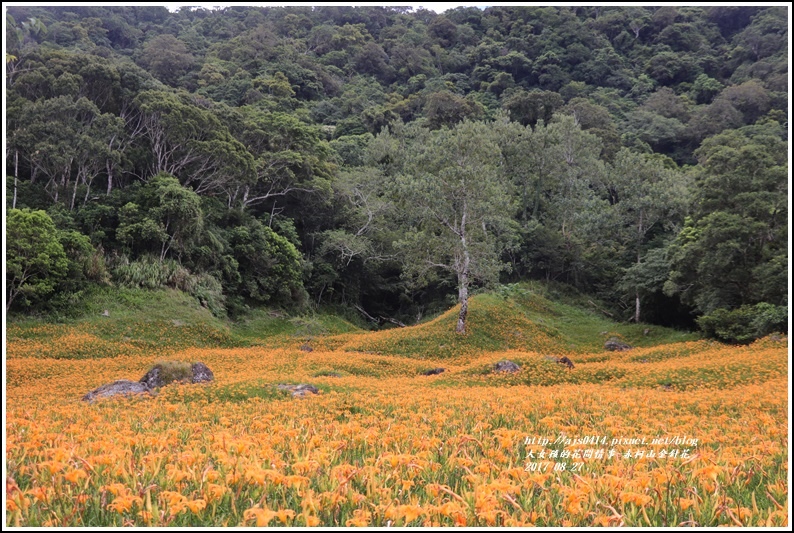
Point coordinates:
[(407, 155)]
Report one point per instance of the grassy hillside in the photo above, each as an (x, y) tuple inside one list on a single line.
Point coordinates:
[(525, 321), (112, 322)]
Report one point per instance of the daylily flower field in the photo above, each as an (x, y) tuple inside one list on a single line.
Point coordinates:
[(688, 433)]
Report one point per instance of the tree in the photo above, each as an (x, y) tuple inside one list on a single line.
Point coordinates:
[(705, 89), (189, 142), (733, 249), (750, 98), (766, 35), (447, 109), (457, 207), (647, 198), (288, 156), (167, 214), (268, 264), (167, 58), (35, 259), (61, 133), (660, 132), (529, 107), (572, 223), (595, 119), (365, 209), (666, 103)]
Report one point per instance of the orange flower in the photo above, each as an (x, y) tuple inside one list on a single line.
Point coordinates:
[(173, 498), (117, 489), (685, 503), (262, 516), (361, 518), (255, 476), (296, 481), (38, 493), (410, 512), (74, 476), (196, 506), (635, 498), (123, 504), (285, 514), (177, 508), (603, 521), (53, 467), (215, 492), (311, 521), (709, 471)]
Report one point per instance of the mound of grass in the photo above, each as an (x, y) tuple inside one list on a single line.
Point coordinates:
[(518, 319), (118, 321), (171, 371), (583, 321), (113, 321), (493, 324), (263, 324)]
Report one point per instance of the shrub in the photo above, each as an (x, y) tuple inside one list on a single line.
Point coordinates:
[(148, 272), (745, 324), (35, 259)]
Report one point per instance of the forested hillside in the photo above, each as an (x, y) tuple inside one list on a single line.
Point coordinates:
[(395, 161)]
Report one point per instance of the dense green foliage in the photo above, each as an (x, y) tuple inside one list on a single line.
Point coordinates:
[(744, 324), (36, 260), (286, 156)]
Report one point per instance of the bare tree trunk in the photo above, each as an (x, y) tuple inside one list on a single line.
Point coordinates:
[(637, 297), (463, 294), (463, 297), (640, 233), (164, 250), (74, 192), (109, 167), (16, 173), (463, 276)]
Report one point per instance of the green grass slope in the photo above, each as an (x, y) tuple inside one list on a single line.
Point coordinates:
[(117, 321), (523, 320), (112, 321)]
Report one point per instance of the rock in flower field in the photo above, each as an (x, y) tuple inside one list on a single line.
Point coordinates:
[(689, 433)]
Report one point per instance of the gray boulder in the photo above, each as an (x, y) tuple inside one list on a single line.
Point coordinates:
[(506, 366), (613, 344), (565, 361), (169, 371), (153, 378), (201, 373), (433, 371), (122, 386), (300, 390)]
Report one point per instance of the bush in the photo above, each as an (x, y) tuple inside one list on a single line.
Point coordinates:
[(745, 324), (269, 266), (148, 272), (35, 259)]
